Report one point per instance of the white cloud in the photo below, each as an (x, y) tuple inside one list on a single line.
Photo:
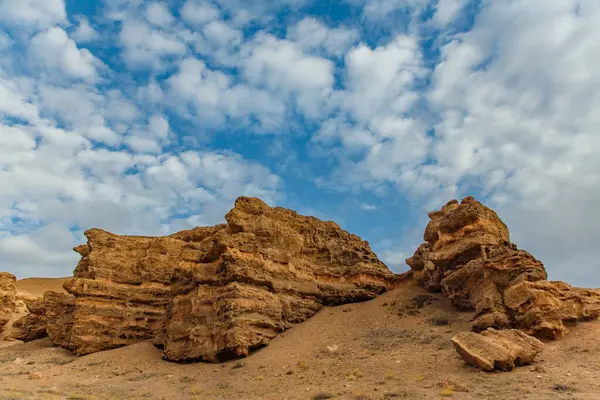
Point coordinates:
[(84, 33), (379, 139), (80, 108), (313, 35), (5, 41), (221, 34), (158, 13), (214, 97), (14, 99), (33, 13), (148, 47), (303, 80), (199, 12), (150, 138), (281, 64), (54, 51), (368, 207), (447, 10), (380, 80), (45, 252)]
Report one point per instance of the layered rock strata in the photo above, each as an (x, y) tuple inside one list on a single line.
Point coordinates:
[(212, 293), (467, 255)]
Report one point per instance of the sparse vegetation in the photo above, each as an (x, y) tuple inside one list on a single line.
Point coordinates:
[(440, 320), (414, 305), (448, 391), (395, 395), (390, 375), (559, 387), (143, 376), (302, 365), (186, 379), (196, 390), (323, 396)]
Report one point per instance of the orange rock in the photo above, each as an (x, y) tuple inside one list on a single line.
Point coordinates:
[(493, 349), (7, 297), (212, 293), (33, 325), (468, 256)]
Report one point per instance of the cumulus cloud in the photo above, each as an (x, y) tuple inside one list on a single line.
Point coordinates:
[(199, 12), (281, 64), (84, 33), (158, 13), (145, 47), (55, 52), (33, 13), (313, 35), (376, 133), (214, 97), (447, 10)]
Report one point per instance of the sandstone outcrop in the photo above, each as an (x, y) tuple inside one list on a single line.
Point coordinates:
[(7, 298), (211, 293), (468, 256), (33, 325), (494, 349)]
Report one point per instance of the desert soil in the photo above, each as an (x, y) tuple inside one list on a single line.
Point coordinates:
[(387, 348)]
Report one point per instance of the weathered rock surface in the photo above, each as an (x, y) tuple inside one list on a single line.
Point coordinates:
[(468, 256), (7, 297), (33, 325), (212, 293), (494, 349)]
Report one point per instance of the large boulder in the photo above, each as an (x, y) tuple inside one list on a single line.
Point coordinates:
[(33, 325), (212, 293), (493, 349), (468, 256), (7, 297)]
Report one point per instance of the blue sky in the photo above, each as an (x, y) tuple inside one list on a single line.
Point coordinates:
[(147, 117)]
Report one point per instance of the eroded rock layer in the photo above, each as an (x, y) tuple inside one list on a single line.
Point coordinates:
[(7, 298), (468, 256), (211, 293)]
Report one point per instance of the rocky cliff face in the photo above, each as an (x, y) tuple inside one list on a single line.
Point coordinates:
[(468, 256), (211, 293), (7, 297)]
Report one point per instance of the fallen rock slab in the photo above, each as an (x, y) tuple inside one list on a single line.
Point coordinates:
[(494, 349)]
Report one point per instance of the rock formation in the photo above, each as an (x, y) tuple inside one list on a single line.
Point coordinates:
[(468, 256), (493, 349), (211, 293), (31, 326), (7, 298)]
